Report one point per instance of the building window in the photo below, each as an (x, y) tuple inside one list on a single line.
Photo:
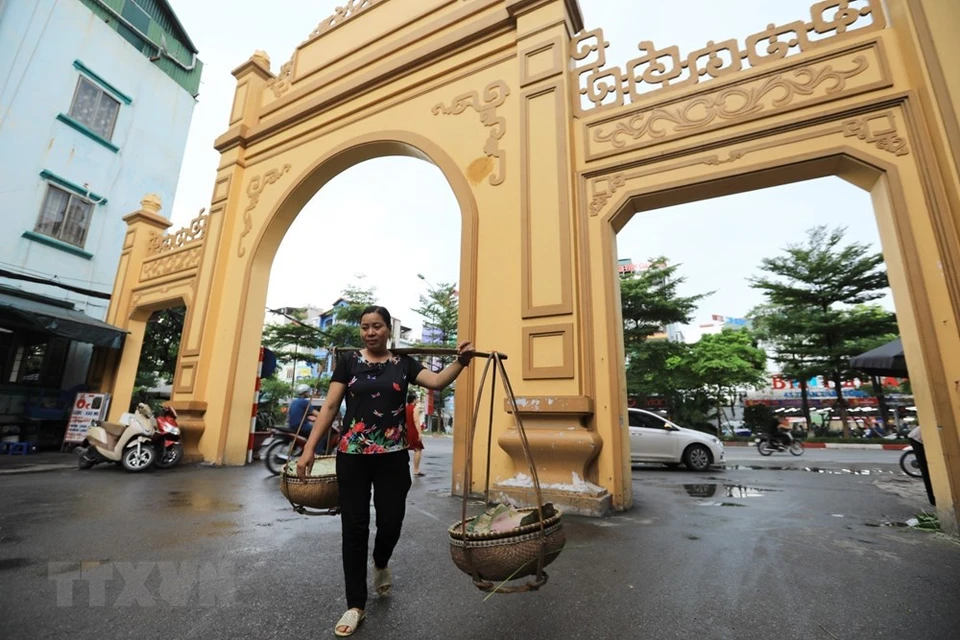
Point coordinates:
[(65, 216), (94, 108), (33, 358)]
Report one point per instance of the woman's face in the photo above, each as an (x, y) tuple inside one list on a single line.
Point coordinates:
[(374, 331)]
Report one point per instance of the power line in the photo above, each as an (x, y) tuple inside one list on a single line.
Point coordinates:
[(51, 276), (299, 322), (53, 283)]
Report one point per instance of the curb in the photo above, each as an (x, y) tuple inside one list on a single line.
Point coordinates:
[(832, 445), (37, 468)]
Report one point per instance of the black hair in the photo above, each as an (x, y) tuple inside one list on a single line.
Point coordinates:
[(411, 397), (380, 311)]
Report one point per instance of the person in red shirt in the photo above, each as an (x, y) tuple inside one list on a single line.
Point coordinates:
[(414, 441)]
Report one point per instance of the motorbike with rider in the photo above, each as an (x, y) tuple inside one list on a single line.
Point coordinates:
[(301, 416)]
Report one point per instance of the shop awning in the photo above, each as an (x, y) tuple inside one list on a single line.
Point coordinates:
[(886, 360), (63, 321)]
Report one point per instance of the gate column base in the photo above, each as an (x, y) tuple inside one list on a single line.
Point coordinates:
[(190, 420), (563, 452), (598, 505)]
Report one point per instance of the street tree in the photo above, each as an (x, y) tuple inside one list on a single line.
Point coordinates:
[(649, 301), (295, 341), (440, 309), (784, 334), (161, 346), (826, 281), (345, 330), (727, 361)]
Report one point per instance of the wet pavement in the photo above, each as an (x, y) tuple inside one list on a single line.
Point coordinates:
[(218, 553)]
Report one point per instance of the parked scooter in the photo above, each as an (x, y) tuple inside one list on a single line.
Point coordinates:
[(129, 445), (169, 449)]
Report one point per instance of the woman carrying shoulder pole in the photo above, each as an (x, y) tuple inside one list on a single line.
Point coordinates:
[(373, 451)]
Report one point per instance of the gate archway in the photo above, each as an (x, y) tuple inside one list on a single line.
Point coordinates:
[(549, 150)]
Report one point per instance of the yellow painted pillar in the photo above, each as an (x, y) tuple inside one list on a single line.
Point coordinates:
[(142, 225), (212, 349), (554, 392), (927, 33)]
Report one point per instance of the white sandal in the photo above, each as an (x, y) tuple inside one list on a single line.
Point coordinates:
[(349, 621), (382, 580)]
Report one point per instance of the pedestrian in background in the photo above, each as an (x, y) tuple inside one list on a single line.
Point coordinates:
[(414, 441), (916, 439)]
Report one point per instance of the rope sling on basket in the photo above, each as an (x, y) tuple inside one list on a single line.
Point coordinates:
[(320, 491), (501, 556)]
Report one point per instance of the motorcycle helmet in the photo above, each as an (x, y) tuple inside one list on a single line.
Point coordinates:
[(302, 389)]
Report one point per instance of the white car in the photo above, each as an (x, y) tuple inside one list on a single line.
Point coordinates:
[(653, 438)]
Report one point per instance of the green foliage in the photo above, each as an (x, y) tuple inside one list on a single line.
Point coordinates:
[(440, 309), (726, 361), (345, 331), (275, 389), (658, 368), (299, 342), (161, 346), (818, 291), (294, 342), (758, 417), (649, 301)]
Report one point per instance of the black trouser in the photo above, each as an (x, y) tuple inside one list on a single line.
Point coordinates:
[(922, 461), (389, 476)]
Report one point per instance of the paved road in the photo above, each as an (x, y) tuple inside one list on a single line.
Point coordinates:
[(211, 553), (855, 459)]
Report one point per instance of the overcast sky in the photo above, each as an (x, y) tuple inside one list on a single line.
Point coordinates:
[(408, 203)]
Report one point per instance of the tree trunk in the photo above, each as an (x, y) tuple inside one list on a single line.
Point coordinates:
[(881, 401), (805, 404), (719, 412), (841, 404)]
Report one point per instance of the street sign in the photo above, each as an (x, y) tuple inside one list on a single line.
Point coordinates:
[(87, 408)]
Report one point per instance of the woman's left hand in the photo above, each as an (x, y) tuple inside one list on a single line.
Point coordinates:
[(465, 353)]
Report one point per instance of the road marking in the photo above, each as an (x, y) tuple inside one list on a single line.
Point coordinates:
[(429, 515)]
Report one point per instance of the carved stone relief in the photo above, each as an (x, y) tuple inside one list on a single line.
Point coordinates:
[(792, 88), (281, 83), (494, 95), (342, 14), (254, 188), (181, 260), (658, 69), (879, 130), (193, 232)]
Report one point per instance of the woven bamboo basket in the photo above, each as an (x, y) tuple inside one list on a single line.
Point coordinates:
[(506, 555), (318, 491)]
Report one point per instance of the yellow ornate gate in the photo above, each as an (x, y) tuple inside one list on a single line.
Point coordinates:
[(550, 151)]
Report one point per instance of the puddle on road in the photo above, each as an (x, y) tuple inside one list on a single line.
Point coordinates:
[(836, 472), (711, 503), (200, 503), (8, 564), (217, 528), (710, 490)]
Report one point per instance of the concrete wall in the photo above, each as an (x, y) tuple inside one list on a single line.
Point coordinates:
[(39, 42)]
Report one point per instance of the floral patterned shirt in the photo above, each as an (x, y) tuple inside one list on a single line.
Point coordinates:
[(375, 421)]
